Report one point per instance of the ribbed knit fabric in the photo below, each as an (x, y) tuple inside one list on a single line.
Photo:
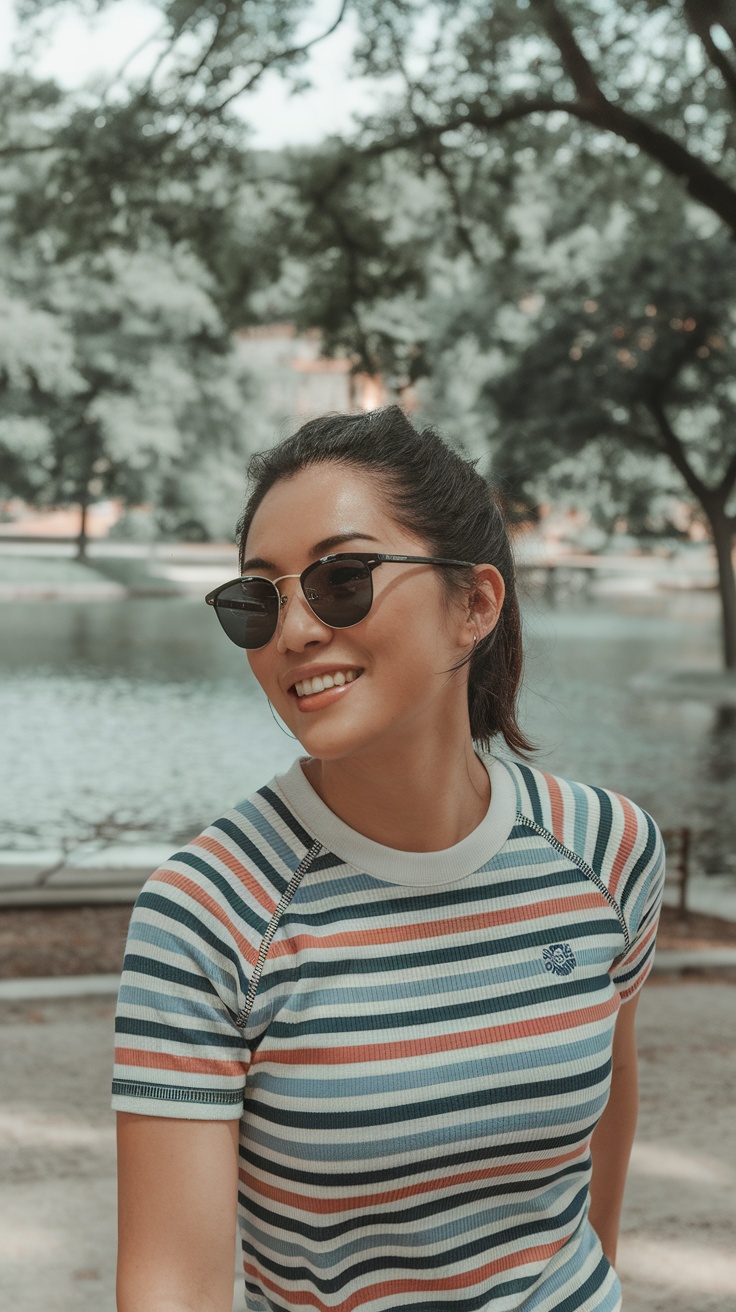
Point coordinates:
[(417, 1045)]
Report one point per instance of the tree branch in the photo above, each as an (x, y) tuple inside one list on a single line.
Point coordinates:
[(28, 150), (574, 62), (477, 117), (133, 54), (700, 16), (726, 485), (701, 181), (279, 55), (462, 231), (594, 107), (675, 450)]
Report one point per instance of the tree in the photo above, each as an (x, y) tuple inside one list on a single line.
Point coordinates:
[(118, 379), (500, 106), (638, 358)]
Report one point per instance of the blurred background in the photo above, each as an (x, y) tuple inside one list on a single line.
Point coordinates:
[(516, 220)]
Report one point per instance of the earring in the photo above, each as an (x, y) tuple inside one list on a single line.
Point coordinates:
[(281, 727), (475, 639)]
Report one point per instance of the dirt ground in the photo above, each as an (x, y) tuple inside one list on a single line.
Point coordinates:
[(57, 1191), (38, 941)]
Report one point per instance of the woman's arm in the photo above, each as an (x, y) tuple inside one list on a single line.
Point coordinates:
[(613, 1136), (177, 1205)]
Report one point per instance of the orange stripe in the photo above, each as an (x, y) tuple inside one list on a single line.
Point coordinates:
[(395, 1288), (208, 903), (439, 929), (626, 846), (405, 1048), (557, 805), (328, 1206), (165, 1061), (630, 961), (638, 982), (240, 871)]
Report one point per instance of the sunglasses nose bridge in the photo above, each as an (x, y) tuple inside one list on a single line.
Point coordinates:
[(285, 610)]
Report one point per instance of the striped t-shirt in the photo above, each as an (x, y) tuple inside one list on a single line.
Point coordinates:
[(417, 1044)]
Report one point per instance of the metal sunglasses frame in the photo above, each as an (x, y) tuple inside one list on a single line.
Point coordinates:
[(370, 559)]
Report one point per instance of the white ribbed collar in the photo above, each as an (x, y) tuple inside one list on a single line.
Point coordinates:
[(415, 868)]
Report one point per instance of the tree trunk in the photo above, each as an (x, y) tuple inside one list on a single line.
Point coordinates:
[(82, 536), (723, 542)]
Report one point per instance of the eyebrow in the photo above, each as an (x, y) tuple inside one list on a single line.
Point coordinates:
[(319, 549)]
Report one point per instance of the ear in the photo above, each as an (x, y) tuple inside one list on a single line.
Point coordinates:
[(485, 603)]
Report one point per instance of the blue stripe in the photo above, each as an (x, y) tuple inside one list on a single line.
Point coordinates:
[(441, 1133), (423, 1077)]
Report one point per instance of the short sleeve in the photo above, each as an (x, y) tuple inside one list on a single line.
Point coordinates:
[(640, 900), (189, 952)]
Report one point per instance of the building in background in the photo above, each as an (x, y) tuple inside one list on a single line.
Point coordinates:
[(298, 382)]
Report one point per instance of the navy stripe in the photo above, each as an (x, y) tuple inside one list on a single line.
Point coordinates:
[(253, 854), (449, 899), (224, 887), (287, 815), (400, 1114), (585, 930), (533, 791), (175, 912), (408, 1214), (155, 969), (642, 862), (475, 1008), (585, 1291), (177, 1033), (484, 1246), (399, 1172), (604, 830)]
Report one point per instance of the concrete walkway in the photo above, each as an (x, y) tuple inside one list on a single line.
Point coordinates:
[(57, 1189)]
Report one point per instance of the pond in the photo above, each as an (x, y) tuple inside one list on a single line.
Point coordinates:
[(140, 714)]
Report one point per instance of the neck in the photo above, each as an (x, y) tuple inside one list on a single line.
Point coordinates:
[(424, 798)]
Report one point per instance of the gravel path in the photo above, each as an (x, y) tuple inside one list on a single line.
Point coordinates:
[(57, 1191)]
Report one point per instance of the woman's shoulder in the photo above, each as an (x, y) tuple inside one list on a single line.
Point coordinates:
[(600, 827), (236, 869)]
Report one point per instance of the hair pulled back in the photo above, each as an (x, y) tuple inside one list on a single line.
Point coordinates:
[(439, 496)]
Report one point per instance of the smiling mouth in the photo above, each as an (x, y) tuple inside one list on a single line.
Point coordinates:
[(309, 687)]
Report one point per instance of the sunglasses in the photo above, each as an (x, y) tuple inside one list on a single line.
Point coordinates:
[(338, 589)]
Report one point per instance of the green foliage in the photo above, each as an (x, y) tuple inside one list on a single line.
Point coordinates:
[(117, 372)]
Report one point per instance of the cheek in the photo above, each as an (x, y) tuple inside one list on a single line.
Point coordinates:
[(410, 641), (262, 669)]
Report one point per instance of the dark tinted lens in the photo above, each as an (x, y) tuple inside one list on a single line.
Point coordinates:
[(248, 612), (340, 593)]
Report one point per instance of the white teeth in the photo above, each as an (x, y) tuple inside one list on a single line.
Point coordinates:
[(318, 684)]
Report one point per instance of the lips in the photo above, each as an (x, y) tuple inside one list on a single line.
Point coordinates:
[(336, 678), (315, 701)]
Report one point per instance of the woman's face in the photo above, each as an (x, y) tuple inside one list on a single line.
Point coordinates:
[(400, 652)]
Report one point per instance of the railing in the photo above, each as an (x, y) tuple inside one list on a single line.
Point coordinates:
[(678, 845)]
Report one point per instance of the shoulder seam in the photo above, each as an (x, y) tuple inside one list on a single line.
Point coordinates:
[(583, 866), (241, 1020)]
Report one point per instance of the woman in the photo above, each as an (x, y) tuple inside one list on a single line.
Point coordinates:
[(384, 1007)]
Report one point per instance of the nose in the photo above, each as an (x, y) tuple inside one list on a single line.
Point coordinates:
[(298, 625)]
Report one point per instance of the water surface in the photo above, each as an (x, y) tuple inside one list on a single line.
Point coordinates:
[(140, 711)]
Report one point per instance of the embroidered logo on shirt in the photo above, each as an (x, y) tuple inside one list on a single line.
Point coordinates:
[(560, 958)]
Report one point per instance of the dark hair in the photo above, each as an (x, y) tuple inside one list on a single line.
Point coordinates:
[(441, 498)]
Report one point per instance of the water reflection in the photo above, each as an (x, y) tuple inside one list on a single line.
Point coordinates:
[(142, 706)]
